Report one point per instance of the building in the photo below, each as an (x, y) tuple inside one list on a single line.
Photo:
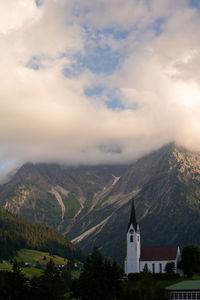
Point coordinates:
[(155, 258), (189, 289)]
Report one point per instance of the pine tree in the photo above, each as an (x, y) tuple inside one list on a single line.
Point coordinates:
[(51, 284), (190, 260), (146, 285), (99, 279), (170, 268), (17, 284), (93, 279)]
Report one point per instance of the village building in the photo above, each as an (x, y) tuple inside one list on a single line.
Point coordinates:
[(154, 258), (188, 289)]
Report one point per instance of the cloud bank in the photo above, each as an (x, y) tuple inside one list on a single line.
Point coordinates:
[(88, 82)]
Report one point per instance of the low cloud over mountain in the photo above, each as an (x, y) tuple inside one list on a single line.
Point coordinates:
[(97, 81)]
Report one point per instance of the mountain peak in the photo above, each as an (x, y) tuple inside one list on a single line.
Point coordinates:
[(91, 205)]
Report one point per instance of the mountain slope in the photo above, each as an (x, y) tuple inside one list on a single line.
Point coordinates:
[(91, 205), (167, 204), (17, 233), (57, 195)]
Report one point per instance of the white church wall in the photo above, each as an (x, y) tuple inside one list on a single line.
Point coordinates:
[(157, 266)]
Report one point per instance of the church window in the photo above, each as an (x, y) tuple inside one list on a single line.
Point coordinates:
[(153, 268), (160, 265), (138, 238), (131, 238), (198, 295)]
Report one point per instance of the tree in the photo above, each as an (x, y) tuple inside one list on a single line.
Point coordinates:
[(66, 276), (146, 284), (92, 279), (17, 284), (99, 279), (190, 260), (113, 273), (170, 268), (51, 285)]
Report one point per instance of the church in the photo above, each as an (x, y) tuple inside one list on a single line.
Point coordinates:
[(154, 258)]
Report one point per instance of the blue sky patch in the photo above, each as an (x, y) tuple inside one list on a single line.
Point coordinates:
[(98, 61), (101, 61), (113, 97), (34, 63), (116, 34), (73, 70), (99, 58), (195, 3), (157, 25), (94, 91), (114, 100), (115, 104)]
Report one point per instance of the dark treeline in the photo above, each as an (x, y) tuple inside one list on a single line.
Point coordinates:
[(17, 233), (99, 279), (15, 286), (102, 279)]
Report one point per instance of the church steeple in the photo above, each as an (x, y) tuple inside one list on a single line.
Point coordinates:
[(132, 217), (131, 263)]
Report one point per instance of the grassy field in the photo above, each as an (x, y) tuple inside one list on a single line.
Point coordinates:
[(31, 272), (34, 257), (5, 266), (75, 274)]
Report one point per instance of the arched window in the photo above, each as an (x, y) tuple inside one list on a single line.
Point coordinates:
[(131, 238), (153, 268), (160, 265)]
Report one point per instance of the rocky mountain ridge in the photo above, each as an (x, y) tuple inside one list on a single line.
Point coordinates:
[(91, 204)]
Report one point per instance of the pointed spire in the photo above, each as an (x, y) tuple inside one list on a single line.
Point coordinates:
[(133, 217)]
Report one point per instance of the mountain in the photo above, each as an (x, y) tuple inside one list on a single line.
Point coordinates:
[(17, 233), (91, 204)]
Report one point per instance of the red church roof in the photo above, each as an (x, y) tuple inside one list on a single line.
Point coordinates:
[(158, 253)]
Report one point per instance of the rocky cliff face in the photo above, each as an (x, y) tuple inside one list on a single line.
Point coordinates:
[(91, 205)]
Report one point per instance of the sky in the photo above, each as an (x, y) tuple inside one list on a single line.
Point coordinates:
[(97, 81)]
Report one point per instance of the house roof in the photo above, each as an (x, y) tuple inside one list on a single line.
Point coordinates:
[(132, 217), (187, 285), (158, 253)]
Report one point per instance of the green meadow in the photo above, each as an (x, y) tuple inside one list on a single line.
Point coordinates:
[(35, 258)]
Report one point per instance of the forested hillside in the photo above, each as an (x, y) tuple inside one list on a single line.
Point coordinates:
[(17, 233)]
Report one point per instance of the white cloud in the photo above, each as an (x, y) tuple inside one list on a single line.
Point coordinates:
[(16, 13), (45, 116)]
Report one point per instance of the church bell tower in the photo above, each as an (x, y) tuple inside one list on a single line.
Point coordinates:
[(131, 264)]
